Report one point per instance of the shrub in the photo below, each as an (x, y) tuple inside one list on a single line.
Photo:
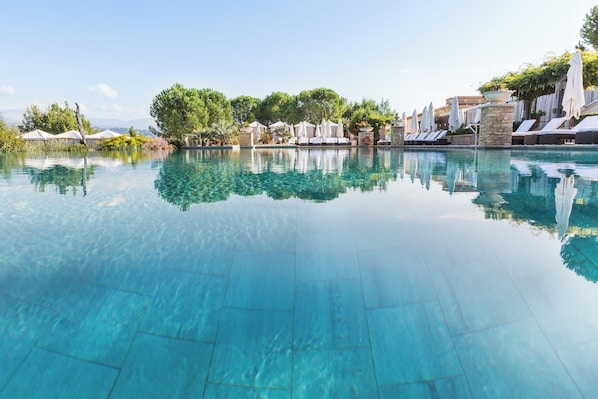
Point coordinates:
[(158, 143), (122, 142), (9, 139)]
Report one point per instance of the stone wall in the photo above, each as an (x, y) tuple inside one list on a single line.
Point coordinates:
[(397, 136), (496, 125)]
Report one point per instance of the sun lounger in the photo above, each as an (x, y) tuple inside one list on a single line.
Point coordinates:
[(551, 134), (344, 141), (315, 141), (523, 131), (303, 141), (587, 130), (330, 140)]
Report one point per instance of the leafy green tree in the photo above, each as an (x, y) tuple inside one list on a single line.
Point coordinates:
[(278, 106), (132, 132), (317, 104), (9, 139), (243, 109), (217, 106), (589, 29), (374, 114), (55, 120), (178, 110)]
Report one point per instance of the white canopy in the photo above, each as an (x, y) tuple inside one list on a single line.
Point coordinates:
[(71, 134), (104, 134), (37, 134)]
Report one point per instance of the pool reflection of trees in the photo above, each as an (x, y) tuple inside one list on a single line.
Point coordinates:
[(210, 176)]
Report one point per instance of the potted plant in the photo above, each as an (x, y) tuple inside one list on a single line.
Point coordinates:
[(364, 126), (495, 91)]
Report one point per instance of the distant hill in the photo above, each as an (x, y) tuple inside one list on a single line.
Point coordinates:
[(114, 124)]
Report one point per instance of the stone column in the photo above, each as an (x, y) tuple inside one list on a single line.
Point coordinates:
[(366, 136), (397, 133), (496, 125), (246, 137)]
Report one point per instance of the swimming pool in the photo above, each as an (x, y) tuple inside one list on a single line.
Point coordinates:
[(311, 273)]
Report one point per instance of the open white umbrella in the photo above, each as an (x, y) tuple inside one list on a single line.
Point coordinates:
[(574, 98), (455, 120), (414, 122)]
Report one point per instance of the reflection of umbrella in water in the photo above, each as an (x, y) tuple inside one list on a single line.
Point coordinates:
[(564, 193)]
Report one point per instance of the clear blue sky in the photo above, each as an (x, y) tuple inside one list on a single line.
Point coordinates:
[(113, 57)]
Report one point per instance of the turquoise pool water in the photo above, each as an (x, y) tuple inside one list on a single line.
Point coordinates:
[(300, 274)]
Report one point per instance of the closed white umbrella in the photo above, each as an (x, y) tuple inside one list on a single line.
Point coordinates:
[(574, 98), (291, 131), (414, 122), (455, 120), (339, 129), (564, 194), (431, 117), (424, 125), (404, 118)]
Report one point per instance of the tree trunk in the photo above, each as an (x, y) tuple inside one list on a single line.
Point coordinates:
[(80, 124)]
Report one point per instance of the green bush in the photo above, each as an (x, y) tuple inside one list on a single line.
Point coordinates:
[(123, 142), (9, 138)]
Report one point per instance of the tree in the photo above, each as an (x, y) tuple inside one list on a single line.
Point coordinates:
[(132, 131), (589, 29), (223, 131), (178, 110), (243, 109), (217, 106), (375, 114), (277, 106), (317, 104), (55, 120)]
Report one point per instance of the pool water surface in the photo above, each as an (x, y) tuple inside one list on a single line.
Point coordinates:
[(310, 273)]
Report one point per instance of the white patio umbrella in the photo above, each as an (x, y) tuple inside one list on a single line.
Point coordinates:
[(574, 98), (424, 125), (318, 131), (404, 118), (414, 122), (455, 119), (564, 194), (37, 134), (324, 128), (431, 117), (339, 129), (291, 131)]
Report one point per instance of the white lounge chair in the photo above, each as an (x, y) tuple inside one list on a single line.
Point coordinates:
[(552, 134), (523, 131), (586, 131)]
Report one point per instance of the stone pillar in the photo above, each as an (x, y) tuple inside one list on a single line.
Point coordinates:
[(397, 134), (496, 125), (246, 137), (366, 136)]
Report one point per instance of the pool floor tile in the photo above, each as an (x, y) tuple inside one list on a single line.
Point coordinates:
[(391, 278), (216, 262), (20, 327), (329, 314), (158, 367), (261, 282), (219, 391), (50, 375), (497, 300), (186, 306), (564, 309), (411, 343), (518, 353), (334, 374), (326, 257), (444, 388), (582, 363), (254, 349), (97, 327)]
